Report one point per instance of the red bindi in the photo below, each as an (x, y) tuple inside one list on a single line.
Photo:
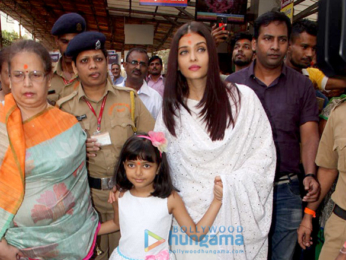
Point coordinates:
[(25, 66), (189, 42), (138, 163)]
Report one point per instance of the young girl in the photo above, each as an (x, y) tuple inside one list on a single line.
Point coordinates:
[(146, 200)]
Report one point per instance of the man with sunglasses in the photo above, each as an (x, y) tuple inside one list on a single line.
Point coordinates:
[(64, 30), (136, 67)]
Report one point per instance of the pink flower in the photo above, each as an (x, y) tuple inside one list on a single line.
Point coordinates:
[(158, 140), (163, 255)]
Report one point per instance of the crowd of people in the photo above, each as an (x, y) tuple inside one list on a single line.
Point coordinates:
[(96, 167)]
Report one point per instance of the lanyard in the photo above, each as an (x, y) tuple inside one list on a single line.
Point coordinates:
[(101, 111), (66, 82)]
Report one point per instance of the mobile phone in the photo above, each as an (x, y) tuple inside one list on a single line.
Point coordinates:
[(221, 21)]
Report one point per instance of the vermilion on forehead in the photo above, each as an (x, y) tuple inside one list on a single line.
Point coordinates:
[(243, 41), (187, 35)]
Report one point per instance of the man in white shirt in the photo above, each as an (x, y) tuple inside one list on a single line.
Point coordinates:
[(136, 67)]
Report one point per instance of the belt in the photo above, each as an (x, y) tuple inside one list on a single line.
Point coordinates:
[(101, 183), (286, 179), (341, 213)]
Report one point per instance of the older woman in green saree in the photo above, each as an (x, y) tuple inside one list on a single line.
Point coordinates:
[(45, 206)]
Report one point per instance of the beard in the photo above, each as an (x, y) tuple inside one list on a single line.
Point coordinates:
[(67, 59), (242, 63), (298, 65), (155, 73)]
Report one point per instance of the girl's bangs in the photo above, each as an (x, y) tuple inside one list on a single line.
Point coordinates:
[(142, 151)]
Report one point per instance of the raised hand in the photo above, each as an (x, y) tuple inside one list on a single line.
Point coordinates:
[(219, 35)]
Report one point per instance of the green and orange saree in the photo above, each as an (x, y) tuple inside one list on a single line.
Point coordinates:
[(45, 206)]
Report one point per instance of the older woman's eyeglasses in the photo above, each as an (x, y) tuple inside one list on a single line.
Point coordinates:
[(34, 76)]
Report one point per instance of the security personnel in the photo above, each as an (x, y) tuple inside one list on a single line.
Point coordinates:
[(331, 159), (109, 115), (64, 79)]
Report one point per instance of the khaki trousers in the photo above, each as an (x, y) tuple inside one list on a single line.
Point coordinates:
[(335, 237), (106, 243)]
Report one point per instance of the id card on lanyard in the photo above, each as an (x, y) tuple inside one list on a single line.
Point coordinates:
[(102, 137)]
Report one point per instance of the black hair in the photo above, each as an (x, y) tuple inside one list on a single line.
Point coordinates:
[(269, 17), (216, 109), (304, 25), (104, 51), (114, 63), (34, 47), (241, 36), (155, 58), (141, 148), (140, 50)]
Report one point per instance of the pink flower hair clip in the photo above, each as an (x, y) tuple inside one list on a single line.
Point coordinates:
[(158, 140)]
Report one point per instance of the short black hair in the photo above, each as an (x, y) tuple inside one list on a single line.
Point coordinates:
[(304, 25), (269, 17), (114, 63), (137, 147), (155, 58), (241, 36), (140, 50)]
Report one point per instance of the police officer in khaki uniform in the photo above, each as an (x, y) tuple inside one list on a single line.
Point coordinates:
[(331, 159), (64, 79), (109, 115)]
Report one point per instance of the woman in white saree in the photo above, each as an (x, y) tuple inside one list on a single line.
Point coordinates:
[(216, 129)]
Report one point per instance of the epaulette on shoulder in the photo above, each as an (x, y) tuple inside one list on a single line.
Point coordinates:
[(340, 103), (67, 98), (120, 88)]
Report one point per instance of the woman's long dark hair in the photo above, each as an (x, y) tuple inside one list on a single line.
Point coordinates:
[(216, 108), (140, 148)]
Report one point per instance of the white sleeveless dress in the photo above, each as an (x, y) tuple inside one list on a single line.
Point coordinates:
[(144, 226)]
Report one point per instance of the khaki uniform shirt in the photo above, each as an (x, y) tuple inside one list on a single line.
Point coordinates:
[(60, 85), (332, 151), (116, 120)]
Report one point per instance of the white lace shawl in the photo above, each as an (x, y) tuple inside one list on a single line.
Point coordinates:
[(245, 159)]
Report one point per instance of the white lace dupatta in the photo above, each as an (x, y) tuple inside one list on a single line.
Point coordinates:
[(245, 159)]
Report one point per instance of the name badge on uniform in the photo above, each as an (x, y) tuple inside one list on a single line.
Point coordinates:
[(102, 138)]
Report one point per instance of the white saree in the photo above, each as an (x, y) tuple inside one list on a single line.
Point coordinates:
[(245, 159)]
